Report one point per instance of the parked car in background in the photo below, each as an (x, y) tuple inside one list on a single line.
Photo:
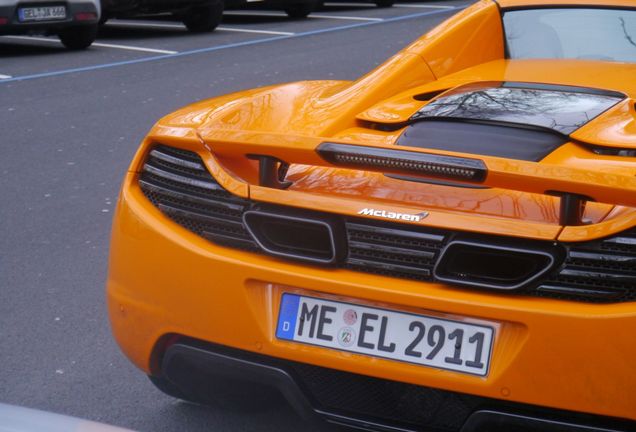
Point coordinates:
[(75, 22), (19, 419), (197, 15), (293, 8), (378, 3)]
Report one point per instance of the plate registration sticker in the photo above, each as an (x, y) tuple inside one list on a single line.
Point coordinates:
[(425, 340)]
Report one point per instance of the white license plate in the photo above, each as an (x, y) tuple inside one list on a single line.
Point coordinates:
[(44, 13), (420, 339)]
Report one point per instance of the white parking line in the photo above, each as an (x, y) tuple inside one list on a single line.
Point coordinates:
[(99, 44), (277, 14), (143, 24), (181, 26), (421, 6), (360, 5), (5, 76), (255, 31), (255, 13), (341, 17), (134, 48)]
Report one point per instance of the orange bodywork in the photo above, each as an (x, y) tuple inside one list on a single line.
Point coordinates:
[(164, 279)]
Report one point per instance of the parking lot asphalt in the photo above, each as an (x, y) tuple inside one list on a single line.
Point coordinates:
[(71, 122), (131, 41)]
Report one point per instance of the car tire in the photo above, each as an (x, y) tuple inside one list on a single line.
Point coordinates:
[(200, 19), (300, 10), (384, 3), (78, 37)]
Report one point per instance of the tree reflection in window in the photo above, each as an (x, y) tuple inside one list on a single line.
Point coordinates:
[(560, 110)]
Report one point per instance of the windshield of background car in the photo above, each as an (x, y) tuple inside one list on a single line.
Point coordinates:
[(571, 33)]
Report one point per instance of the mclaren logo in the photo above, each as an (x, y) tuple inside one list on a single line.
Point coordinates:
[(393, 215)]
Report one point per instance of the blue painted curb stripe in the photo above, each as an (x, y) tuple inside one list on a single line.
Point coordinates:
[(228, 46)]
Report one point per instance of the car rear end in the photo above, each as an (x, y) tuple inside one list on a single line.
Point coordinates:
[(207, 280), (46, 16)]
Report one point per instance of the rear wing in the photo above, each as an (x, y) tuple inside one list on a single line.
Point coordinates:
[(574, 186)]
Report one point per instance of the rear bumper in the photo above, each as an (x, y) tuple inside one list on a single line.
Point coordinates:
[(377, 405), (164, 279), (14, 26)]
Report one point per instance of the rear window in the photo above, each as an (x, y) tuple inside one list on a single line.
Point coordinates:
[(571, 33)]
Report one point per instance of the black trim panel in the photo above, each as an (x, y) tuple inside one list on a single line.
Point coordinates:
[(478, 138), (364, 402)]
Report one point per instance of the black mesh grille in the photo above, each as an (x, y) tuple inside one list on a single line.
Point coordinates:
[(391, 250), (604, 270), (177, 182), (386, 401), (364, 402)]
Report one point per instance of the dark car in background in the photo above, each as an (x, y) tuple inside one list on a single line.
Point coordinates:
[(74, 21), (197, 15), (378, 3)]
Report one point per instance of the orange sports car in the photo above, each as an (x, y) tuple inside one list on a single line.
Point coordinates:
[(446, 244)]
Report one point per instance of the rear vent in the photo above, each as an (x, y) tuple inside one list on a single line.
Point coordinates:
[(491, 266), (297, 237), (177, 182), (430, 95)]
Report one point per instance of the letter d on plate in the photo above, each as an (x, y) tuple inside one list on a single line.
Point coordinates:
[(287, 318)]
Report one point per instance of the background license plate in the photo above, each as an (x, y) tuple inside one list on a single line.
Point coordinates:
[(43, 13), (419, 339)]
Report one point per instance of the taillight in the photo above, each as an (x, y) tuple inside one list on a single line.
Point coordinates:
[(85, 16)]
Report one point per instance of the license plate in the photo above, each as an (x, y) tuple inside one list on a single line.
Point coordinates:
[(44, 13), (420, 339)]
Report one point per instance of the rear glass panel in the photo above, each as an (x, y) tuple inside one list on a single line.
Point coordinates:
[(571, 33), (562, 109)]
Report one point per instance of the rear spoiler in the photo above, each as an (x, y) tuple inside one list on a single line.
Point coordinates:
[(574, 186)]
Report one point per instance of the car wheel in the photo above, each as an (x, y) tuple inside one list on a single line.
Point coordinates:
[(384, 3), (299, 10), (78, 37), (201, 19)]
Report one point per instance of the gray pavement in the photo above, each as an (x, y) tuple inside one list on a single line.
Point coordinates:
[(70, 123)]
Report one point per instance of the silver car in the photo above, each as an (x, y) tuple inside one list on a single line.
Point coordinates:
[(74, 21), (19, 419)]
